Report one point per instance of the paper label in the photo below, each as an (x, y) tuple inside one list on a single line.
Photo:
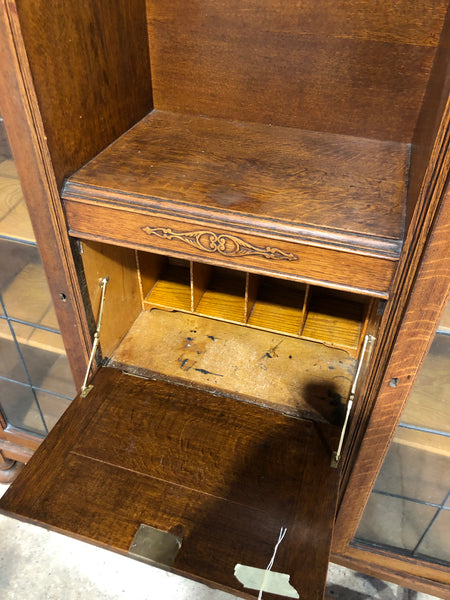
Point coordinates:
[(265, 581)]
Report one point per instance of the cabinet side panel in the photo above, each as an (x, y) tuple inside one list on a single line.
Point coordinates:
[(123, 296), (426, 150), (90, 67)]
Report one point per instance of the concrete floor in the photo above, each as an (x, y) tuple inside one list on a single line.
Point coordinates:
[(36, 564)]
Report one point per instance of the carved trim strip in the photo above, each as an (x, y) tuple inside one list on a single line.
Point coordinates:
[(225, 244)]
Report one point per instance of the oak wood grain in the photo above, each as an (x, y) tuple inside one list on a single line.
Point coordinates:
[(225, 474), (254, 171), (21, 113), (424, 309), (122, 297), (91, 73), (358, 67), (427, 141)]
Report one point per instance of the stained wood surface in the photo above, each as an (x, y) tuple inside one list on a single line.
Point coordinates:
[(330, 266), (274, 176), (224, 475), (296, 376), (22, 118), (426, 150), (90, 68), (356, 67), (421, 317), (278, 306)]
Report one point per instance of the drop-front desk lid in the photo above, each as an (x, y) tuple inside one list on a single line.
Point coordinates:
[(219, 477)]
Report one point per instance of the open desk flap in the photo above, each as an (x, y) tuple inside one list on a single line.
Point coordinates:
[(220, 476)]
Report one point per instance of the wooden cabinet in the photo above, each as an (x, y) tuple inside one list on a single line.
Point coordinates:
[(257, 185)]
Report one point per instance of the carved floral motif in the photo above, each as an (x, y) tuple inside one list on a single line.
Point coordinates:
[(225, 244)]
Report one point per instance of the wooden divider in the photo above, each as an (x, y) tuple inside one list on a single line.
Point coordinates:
[(262, 302)]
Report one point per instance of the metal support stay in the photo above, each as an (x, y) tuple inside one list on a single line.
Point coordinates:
[(369, 339), (85, 389)]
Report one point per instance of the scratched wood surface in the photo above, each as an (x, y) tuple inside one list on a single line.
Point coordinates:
[(224, 475), (256, 170), (294, 375)]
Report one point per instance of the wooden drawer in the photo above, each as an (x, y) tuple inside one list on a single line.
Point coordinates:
[(278, 255)]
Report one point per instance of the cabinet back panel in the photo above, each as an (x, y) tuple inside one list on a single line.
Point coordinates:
[(90, 68), (358, 67)]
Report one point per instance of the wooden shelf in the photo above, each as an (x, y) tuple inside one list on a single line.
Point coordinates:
[(224, 297), (171, 289), (314, 206)]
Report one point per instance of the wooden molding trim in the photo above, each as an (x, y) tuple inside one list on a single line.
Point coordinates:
[(410, 573), (423, 312), (10, 436), (15, 451)]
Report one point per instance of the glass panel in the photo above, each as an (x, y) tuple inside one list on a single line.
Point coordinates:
[(428, 405), (25, 291), (435, 542), (20, 408), (52, 407), (47, 369), (394, 522), (11, 365), (409, 508), (14, 220), (415, 469), (35, 380)]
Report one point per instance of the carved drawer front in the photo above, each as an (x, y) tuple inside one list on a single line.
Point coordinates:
[(235, 247)]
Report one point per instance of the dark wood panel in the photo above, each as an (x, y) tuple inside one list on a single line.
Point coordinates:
[(402, 22), (226, 475), (358, 68), (90, 67), (28, 143), (331, 267)]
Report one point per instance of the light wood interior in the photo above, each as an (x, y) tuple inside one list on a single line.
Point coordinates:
[(282, 343), (268, 303)]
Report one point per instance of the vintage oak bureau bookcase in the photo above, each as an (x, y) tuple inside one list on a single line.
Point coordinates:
[(232, 200)]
